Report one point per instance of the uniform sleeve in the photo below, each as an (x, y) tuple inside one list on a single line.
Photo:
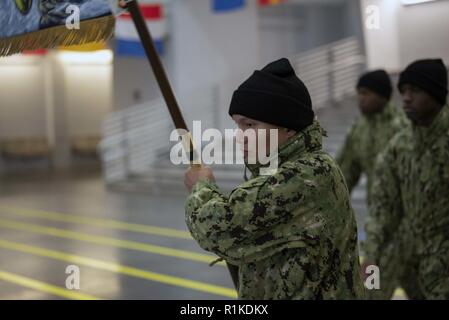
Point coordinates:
[(348, 160), (233, 226), (385, 211)]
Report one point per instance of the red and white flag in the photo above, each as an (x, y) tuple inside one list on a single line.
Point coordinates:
[(127, 39)]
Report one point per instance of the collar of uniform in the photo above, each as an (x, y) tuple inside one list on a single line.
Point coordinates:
[(310, 139), (425, 136), (387, 113)]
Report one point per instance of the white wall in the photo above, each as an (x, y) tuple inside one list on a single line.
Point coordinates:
[(424, 31), (299, 26), (22, 103), (203, 49), (382, 44), (88, 98), (208, 47), (133, 82), (282, 30), (353, 26), (407, 33)]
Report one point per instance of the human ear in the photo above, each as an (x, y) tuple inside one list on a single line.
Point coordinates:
[(290, 132)]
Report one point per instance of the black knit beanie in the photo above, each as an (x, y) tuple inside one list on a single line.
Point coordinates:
[(274, 95), (377, 81), (430, 75)]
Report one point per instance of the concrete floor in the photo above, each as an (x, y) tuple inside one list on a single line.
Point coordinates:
[(48, 223), (38, 213)]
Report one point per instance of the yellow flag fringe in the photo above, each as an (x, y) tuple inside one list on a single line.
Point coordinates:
[(93, 30)]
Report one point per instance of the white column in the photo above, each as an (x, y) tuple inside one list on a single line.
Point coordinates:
[(381, 41), (57, 128)]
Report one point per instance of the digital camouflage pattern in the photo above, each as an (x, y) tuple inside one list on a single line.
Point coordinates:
[(367, 137), (292, 234), (408, 224)]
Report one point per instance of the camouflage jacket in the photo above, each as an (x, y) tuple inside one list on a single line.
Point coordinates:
[(366, 139), (409, 211), (292, 234)]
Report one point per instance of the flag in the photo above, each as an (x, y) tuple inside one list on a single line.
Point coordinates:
[(227, 5), (127, 39), (41, 24), (87, 47), (38, 52), (265, 3)]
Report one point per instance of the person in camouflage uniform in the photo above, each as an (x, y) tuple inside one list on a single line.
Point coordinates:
[(292, 234), (369, 135), (408, 223)]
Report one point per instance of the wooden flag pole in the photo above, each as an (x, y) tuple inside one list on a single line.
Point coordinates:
[(156, 64), (160, 74), (166, 89)]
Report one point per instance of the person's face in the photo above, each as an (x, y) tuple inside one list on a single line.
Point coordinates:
[(370, 102), (250, 143), (419, 106)]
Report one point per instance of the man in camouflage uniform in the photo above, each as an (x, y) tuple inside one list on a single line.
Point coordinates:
[(292, 234), (407, 229), (368, 136), (380, 121)]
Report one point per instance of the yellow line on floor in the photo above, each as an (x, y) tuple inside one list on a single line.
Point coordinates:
[(121, 269), (44, 287), (111, 242), (103, 223), (399, 293)]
